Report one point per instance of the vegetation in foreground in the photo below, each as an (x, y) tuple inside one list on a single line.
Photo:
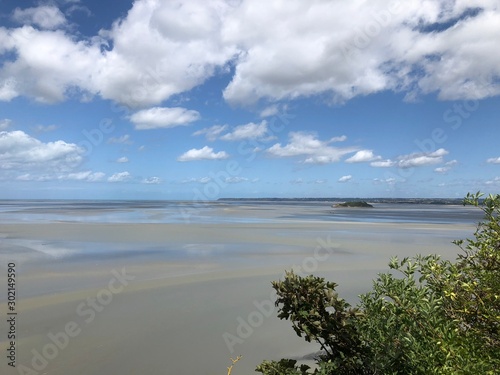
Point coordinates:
[(425, 316)]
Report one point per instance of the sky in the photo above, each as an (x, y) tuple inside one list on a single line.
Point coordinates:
[(206, 99)]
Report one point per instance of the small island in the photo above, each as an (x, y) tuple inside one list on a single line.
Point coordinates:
[(362, 204)]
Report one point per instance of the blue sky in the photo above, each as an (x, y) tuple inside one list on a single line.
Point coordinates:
[(199, 100)]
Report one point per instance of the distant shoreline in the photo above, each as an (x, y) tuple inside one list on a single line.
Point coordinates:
[(97, 202), (436, 201)]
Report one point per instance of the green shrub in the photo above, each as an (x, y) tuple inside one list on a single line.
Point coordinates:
[(424, 316)]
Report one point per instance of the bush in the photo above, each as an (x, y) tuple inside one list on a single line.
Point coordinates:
[(425, 316)]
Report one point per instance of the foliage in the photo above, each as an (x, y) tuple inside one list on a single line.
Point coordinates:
[(424, 316)]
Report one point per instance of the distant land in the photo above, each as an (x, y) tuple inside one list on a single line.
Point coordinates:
[(356, 204), (438, 201)]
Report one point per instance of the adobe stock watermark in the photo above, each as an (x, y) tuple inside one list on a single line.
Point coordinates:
[(265, 308), (94, 137), (220, 180), (87, 310)]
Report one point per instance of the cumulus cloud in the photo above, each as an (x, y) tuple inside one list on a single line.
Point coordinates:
[(235, 180), (341, 138), (311, 149), (48, 64), (388, 181), (120, 177), (247, 131), (200, 180), (205, 153), (417, 159), (21, 151), (269, 111), (422, 159), (152, 181), (345, 178), (44, 16), (446, 167), (341, 49), (240, 132), (161, 117), (495, 181), (83, 176), (123, 159), (363, 48), (124, 139), (383, 163), (494, 160), (363, 156), (211, 133)]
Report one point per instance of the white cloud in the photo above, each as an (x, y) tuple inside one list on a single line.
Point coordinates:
[(20, 151), (205, 153), (320, 182), (363, 156), (152, 181), (44, 129), (123, 159), (272, 110), (389, 181), (44, 16), (29, 177), (358, 48), (87, 176), (422, 159), (383, 163), (495, 181), (5, 123), (211, 133), (161, 117), (165, 48), (120, 177), (124, 139), (494, 160), (417, 159), (312, 149), (47, 65), (200, 180), (240, 132), (297, 181), (84, 176), (447, 167), (345, 178), (341, 138), (247, 131), (341, 49), (235, 180)]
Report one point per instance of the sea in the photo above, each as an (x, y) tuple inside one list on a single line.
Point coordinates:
[(188, 212)]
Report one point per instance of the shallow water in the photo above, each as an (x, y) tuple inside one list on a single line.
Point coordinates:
[(198, 271), (221, 212)]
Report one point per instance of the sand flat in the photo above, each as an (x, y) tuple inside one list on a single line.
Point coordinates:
[(192, 284)]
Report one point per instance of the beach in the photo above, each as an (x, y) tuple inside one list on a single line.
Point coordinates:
[(158, 296)]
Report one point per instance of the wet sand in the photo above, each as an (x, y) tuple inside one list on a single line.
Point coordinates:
[(172, 298)]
